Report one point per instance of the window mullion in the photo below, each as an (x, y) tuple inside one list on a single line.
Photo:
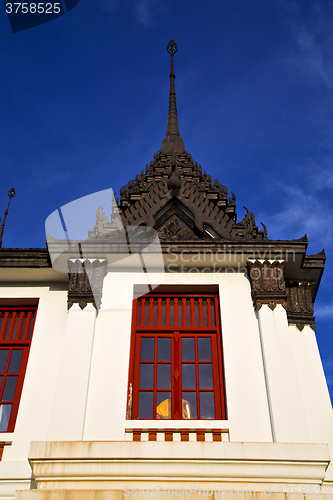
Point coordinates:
[(19, 326), (209, 313), (216, 378), (155, 377), (197, 377), (151, 313), (176, 378), (200, 313), (175, 312), (192, 313), (25, 335), (142, 312), (136, 379), (167, 312), (184, 313), (159, 313), (12, 325), (18, 389), (4, 325)]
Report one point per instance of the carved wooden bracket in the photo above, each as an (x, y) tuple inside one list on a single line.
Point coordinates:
[(86, 282), (300, 305), (267, 283)]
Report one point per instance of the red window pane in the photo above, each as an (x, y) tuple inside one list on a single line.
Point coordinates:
[(190, 404), (3, 359), (15, 361), (5, 412), (207, 408), (163, 405), (204, 349), (176, 358), (147, 349), (16, 328), (164, 376), (146, 376), (188, 349), (146, 404), (164, 349)]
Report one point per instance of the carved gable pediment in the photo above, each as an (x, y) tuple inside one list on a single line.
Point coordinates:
[(195, 208), (175, 229)]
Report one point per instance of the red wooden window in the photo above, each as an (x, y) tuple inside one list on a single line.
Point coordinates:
[(16, 327), (176, 358)]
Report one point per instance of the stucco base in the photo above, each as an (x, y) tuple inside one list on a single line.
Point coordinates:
[(177, 465), (118, 495), (69, 495)]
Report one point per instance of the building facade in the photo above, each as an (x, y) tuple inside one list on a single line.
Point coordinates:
[(176, 357)]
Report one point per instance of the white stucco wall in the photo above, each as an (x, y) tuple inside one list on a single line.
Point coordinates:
[(77, 375), (313, 388), (39, 383), (247, 406), (288, 415)]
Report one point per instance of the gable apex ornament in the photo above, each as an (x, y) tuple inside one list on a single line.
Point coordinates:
[(172, 139)]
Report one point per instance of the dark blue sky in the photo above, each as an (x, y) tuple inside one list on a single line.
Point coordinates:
[(84, 103)]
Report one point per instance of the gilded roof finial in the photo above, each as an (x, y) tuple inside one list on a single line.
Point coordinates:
[(11, 195), (172, 139)]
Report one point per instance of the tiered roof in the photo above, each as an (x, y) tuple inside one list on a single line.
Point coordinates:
[(176, 197)]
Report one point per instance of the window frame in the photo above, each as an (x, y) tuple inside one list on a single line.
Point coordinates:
[(162, 331), (16, 333)]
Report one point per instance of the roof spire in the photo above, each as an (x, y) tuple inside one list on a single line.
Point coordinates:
[(172, 139), (11, 195)]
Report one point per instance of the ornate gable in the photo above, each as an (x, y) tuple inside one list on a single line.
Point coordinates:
[(176, 198), (193, 206)]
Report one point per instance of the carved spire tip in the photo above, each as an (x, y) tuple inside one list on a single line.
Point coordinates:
[(172, 138), (172, 47)]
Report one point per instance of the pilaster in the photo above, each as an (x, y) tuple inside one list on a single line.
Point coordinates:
[(288, 418), (69, 403)]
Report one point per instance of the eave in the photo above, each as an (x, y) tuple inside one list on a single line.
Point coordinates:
[(15, 262)]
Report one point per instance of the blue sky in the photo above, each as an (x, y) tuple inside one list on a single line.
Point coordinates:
[(84, 103)]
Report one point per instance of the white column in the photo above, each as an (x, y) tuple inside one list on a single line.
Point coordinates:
[(107, 396), (284, 393), (247, 406), (69, 404), (316, 397)]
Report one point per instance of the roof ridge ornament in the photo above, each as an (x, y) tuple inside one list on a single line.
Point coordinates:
[(172, 139), (174, 177)]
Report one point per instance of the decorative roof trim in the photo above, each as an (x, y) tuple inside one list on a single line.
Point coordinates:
[(24, 257)]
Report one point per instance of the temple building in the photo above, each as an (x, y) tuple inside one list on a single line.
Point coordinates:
[(170, 353)]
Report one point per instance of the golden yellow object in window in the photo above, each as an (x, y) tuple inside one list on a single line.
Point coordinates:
[(163, 410)]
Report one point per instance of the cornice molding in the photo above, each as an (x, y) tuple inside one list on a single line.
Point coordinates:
[(24, 257)]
